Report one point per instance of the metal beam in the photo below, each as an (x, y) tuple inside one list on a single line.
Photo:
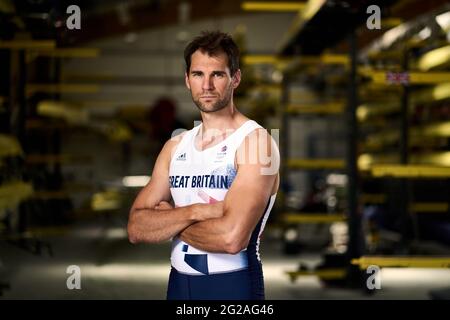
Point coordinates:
[(67, 53), (58, 158), (325, 108), (325, 274), (355, 238), (303, 217), (408, 262), (381, 77), (316, 163), (273, 6), (410, 171), (312, 7), (61, 88), (27, 44)]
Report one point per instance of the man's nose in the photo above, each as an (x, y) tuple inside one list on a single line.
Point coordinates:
[(207, 83)]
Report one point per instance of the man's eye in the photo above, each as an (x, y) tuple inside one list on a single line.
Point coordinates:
[(218, 75)]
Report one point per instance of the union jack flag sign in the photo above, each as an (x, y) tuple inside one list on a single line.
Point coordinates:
[(397, 77)]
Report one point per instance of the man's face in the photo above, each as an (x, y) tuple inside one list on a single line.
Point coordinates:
[(210, 82)]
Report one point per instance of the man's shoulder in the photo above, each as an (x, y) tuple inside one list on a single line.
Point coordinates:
[(260, 133), (259, 147), (177, 136), (173, 142)]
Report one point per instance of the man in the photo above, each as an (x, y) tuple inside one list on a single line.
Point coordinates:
[(222, 177)]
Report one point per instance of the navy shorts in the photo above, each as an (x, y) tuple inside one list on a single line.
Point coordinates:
[(245, 284)]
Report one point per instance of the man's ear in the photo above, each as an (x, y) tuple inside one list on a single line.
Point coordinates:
[(236, 78), (186, 80)]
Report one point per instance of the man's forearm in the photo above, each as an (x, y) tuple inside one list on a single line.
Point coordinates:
[(151, 225), (210, 235)]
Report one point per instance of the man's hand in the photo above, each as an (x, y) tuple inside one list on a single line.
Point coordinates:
[(210, 211), (163, 205), (203, 211)]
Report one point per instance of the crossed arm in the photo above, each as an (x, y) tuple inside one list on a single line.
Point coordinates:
[(221, 227), (243, 206), (152, 219)]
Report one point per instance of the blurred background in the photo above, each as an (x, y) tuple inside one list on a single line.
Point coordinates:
[(357, 94)]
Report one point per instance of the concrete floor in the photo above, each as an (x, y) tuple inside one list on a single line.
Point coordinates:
[(112, 268)]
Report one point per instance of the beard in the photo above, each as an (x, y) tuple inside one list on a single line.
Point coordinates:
[(218, 105)]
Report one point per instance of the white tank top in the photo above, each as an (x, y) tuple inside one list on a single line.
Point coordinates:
[(205, 177)]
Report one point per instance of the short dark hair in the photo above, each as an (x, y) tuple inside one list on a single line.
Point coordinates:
[(212, 42)]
